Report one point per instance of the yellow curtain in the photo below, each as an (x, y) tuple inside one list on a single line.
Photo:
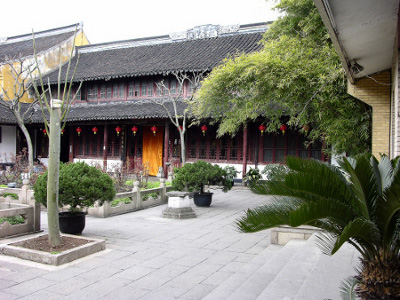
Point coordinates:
[(153, 149)]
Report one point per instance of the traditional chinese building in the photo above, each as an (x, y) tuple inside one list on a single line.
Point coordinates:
[(114, 119)]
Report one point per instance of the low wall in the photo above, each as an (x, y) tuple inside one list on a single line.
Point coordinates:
[(24, 206), (139, 199), (16, 210)]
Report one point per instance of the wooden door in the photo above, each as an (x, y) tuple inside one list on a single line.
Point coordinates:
[(153, 149)]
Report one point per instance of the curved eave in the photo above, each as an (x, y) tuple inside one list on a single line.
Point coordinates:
[(153, 73), (362, 31)]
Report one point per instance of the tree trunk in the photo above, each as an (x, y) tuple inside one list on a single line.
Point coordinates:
[(379, 278), (183, 146), (29, 143), (53, 174)]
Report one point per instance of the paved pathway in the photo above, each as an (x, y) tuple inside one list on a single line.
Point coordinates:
[(147, 256)]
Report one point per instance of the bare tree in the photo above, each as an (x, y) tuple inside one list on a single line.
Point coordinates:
[(11, 97), (174, 97), (58, 110)]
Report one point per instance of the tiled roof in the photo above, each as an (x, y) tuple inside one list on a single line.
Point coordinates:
[(22, 45), (127, 110), (140, 59)]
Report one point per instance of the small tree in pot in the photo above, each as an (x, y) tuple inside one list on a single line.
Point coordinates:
[(79, 187), (194, 176)]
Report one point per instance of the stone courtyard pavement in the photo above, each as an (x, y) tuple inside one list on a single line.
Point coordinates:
[(146, 256)]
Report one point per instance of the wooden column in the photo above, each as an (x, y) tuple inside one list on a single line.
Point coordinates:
[(166, 148), (105, 140), (244, 150), (256, 149)]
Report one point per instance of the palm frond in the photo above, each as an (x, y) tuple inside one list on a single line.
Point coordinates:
[(383, 172), (323, 208), (388, 210), (325, 241), (362, 181), (265, 217), (364, 231), (308, 187), (326, 179), (348, 288)]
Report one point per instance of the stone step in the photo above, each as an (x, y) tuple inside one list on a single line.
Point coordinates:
[(311, 275), (328, 273), (255, 284), (224, 290)]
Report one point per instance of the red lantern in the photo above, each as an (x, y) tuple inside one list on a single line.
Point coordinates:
[(154, 129), (79, 130), (62, 132), (118, 130), (306, 128), (134, 130), (262, 128), (204, 129), (44, 132), (180, 128), (283, 128), (94, 129)]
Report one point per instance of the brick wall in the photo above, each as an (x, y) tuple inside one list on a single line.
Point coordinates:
[(395, 126), (376, 93)]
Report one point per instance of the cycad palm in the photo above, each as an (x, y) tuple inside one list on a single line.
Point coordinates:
[(358, 203)]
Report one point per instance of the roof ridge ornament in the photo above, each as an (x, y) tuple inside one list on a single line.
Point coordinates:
[(204, 31)]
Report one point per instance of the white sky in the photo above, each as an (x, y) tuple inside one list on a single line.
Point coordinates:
[(106, 21)]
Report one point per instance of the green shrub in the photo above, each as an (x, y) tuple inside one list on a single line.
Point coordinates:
[(125, 200), (12, 195), (80, 186), (252, 175), (275, 172), (194, 176), (13, 220)]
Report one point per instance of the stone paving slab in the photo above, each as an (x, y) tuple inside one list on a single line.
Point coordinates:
[(147, 256)]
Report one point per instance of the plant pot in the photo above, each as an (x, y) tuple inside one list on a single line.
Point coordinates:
[(72, 222), (203, 199)]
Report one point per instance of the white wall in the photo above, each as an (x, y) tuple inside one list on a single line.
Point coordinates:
[(111, 163), (8, 143)]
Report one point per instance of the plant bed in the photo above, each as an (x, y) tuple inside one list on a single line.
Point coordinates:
[(16, 219), (37, 249)]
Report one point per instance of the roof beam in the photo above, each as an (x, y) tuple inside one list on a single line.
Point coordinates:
[(327, 17)]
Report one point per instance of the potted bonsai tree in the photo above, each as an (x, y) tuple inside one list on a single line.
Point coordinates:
[(194, 176), (80, 186)]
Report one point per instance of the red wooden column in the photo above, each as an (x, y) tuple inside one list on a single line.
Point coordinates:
[(244, 150), (166, 148), (105, 140)]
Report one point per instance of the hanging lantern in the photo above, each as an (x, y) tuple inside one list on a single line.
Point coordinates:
[(154, 129), (283, 128), (204, 129), (306, 128), (262, 128), (180, 128), (44, 132), (134, 130), (62, 132), (118, 130), (95, 129), (79, 130)]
